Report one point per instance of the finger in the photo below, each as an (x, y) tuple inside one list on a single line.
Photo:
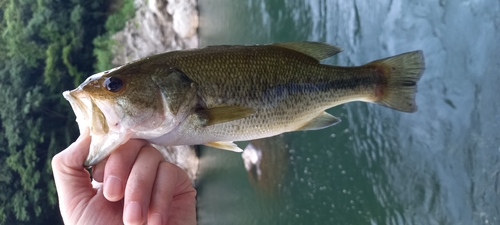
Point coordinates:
[(183, 207), (117, 169), (170, 182), (163, 192), (71, 178), (140, 185), (98, 171)]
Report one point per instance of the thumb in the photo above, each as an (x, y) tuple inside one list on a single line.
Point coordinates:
[(74, 155), (72, 180)]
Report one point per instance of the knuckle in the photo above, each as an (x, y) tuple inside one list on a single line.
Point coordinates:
[(167, 166), (57, 161)]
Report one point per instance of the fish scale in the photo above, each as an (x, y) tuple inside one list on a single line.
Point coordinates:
[(251, 77), (219, 94)]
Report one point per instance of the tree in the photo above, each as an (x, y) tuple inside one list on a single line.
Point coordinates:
[(45, 48)]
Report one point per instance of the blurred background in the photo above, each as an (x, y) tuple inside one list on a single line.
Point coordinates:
[(439, 165)]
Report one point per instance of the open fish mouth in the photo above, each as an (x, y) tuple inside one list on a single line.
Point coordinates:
[(88, 115), (82, 104), (82, 107), (95, 116)]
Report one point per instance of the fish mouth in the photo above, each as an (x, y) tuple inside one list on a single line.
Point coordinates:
[(89, 115), (82, 103), (82, 107)]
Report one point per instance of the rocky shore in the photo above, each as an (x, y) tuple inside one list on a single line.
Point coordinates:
[(158, 26), (161, 26)]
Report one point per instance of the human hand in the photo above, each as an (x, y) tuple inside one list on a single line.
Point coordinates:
[(139, 186)]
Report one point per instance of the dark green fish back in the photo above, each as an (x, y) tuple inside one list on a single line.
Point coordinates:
[(252, 75)]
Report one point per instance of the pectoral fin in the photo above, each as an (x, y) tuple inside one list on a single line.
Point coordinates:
[(226, 145), (324, 120), (224, 114)]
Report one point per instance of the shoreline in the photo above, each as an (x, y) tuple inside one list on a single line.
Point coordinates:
[(158, 26)]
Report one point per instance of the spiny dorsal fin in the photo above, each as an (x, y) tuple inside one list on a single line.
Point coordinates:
[(225, 145), (317, 50), (224, 114), (324, 120)]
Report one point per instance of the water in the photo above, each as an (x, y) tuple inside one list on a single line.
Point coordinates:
[(439, 165)]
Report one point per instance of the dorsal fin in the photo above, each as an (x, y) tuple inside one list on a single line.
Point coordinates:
[(317, 50)]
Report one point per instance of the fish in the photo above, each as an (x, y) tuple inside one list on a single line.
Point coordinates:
[(216, 95)]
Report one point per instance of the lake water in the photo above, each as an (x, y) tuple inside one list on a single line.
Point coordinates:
[(440, 165)]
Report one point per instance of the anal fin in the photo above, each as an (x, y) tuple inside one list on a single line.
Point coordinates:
[(324, 120), (225, 145)]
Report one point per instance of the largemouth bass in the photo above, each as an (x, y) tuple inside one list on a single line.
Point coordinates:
[(220, 94)]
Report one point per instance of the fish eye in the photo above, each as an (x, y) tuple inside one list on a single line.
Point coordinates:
[(113, 84)]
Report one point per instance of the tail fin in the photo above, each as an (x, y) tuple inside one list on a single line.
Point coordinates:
[(402, 73)]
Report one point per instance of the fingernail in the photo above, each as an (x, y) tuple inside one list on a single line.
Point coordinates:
[(133, 213), (155, 219), (113, 188)]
